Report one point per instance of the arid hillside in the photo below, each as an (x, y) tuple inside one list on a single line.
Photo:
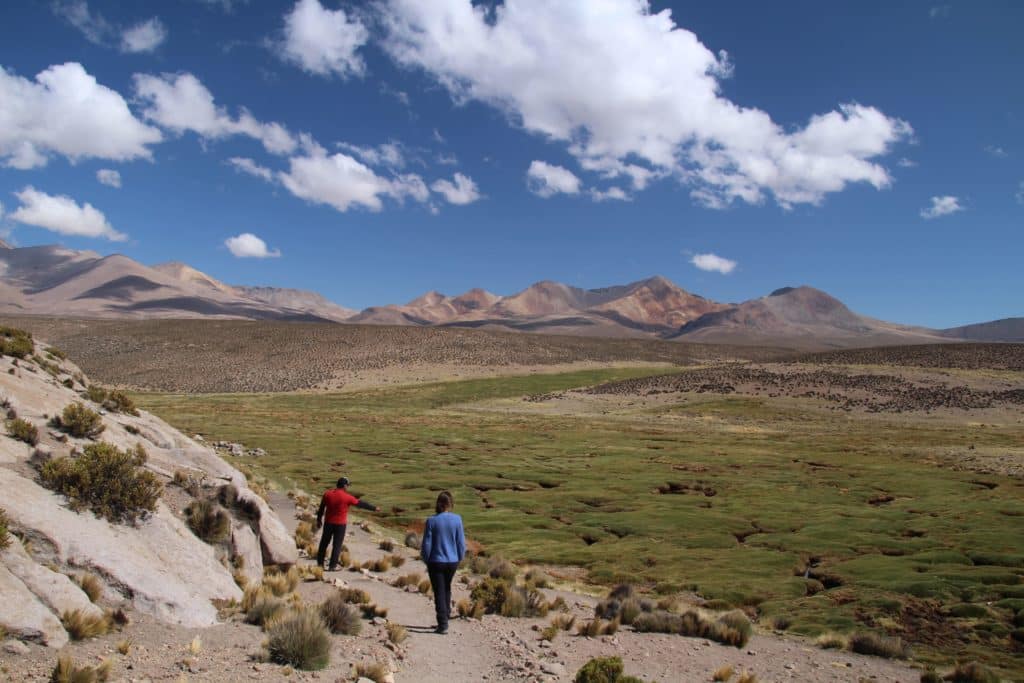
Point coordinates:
[(235, 355)]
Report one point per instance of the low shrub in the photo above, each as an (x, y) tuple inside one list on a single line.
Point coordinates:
[(500, 568), (736, 630), (376, 672), (550, 632), (372, 611), (281, 583), (397, 560), (413, 540), (81, 625), (303, 534), (91, 586), (537, 578), (119, 402), (96, 394), (66, 672), (23, 430), (723, 673), (407, 580), (79, 421), (868, 643), (600, 670), (110, 482), (972, 672), (15, 342), (396, 633), (208, 520), (354, 596), (491, 593), (831, 641), (5, 533), (299, 639), (340, 616), (387, 545)]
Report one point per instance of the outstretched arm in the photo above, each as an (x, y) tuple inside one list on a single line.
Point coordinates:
[(368, 506)]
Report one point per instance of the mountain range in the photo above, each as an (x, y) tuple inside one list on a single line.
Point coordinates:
[(53, 280)]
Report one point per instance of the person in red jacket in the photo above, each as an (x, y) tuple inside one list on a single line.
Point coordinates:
[(335, 504)]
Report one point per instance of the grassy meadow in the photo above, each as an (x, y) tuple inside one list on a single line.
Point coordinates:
[(821, 521)]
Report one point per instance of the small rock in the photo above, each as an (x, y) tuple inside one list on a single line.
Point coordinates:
[(364, 679), (15, 647), (379, 621), (553, 668)]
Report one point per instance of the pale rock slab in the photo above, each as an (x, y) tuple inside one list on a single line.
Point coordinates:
[(24, 617), (56, 591), (247, 546)]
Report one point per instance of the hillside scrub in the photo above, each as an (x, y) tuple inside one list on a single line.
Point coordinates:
[(340, 616), (23, 430), (5, 536), (604, 670), (300, 639), (79, 421), (208, 520), (15, 342), (110, 482), (66, 671)]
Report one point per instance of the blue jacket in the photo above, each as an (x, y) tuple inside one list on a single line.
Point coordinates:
[(443, 539)]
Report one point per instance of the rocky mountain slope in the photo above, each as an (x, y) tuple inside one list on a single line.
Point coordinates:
[(155, 566)]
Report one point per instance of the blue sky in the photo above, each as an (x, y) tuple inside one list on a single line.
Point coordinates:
[(378, 150)]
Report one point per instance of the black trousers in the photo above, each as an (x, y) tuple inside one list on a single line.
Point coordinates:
[(335, 533), (441, 575)]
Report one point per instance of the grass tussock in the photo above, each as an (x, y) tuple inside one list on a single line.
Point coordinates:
[(375, 671), (972, 672), (397, 560), (66, 671), (208, 520), (110, 482), (5, 531), (354, 596), (425, 587), (831, 641), (23, 430), (550, 632), (413, 540), (868, 643), (732, 628), (597, 627), (80, 421), (380, 565), (408, 580), (244, 507), (281, 583), (340, 616), (723, 673), (91, 586), (304, 534), (187, 482), (124, 647), (501, 596), (15, 342), (81, 626), (537, 578), (747, 677), (311, 572), (396, 633), (299, 639), (600, 670), (372, 611), (387, 545), (263, 609), (468, 609)]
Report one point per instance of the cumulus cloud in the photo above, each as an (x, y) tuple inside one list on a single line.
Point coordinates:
[(180, 103), (713, 263), (630, 93), (616, 193), (388, 154), (245, 165), (66, 111), (547, 180), (145, 36), (941, 206), (462, 191), (323, 41), (61, 214), (248, 245), (109, 177)]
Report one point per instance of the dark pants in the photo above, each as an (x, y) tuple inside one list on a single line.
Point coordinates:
[(441, 575), (335, 533)]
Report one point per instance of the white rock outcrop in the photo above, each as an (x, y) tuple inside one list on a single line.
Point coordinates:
[(53, 589), (23, 616)]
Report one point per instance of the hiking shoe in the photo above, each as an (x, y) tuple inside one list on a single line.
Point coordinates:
[(441, 630), (334, 569)]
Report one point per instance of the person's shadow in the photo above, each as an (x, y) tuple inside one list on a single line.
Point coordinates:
[(419, 629)]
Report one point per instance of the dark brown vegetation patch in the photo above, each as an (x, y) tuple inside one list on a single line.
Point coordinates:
[(963, 356)]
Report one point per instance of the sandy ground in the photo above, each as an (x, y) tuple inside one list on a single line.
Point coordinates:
[(491, 649)]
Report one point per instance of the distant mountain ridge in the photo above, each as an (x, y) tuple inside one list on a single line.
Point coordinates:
[(52, 280)]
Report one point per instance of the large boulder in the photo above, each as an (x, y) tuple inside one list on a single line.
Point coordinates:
[(160, 565), (54, 590), (24, 616), (246, 545)]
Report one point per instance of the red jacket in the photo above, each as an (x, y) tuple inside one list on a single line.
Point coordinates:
[(336, 503)]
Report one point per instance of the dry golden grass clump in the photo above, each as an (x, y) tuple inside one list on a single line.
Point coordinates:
[(124, 646), (81, 625), (868, 643), (299, 639), (747, 677), (380, 565), (110, 482), (311, 572), (732, 628), (723, 673), (208, 520), (397, 560), (536, 578), (501, 596), (466, 608), (396, 633), (67, 672), (372, 611), (597, 627), (340, 616), (354, 595), (23, 430), (79, 421), (15, 342), (281, 583), (425, 587), (262, 608), (623, 604), (90, 585), (831, 641), (972, 672), (5, 535), (387, 545), (303, 534), (408, 580), (376, 672)]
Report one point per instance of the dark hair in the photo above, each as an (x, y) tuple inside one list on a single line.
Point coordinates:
[(445, 502), (343, 482)]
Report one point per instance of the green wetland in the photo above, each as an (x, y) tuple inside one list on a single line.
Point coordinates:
[(810, 519)]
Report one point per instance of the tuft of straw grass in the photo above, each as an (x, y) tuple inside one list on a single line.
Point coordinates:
[(373, 610), (81, 625), (5, 534), (831, 641), (354, 595), (91, 586), (66, 672), (376, 672), (747, 677), (396, 633), (299, 639), (279, 583), (23, 430), (340, 616), (723, 673), (387, 545), (124, 647), (195, 646), (208, 520), (972, 672), (868, 643)]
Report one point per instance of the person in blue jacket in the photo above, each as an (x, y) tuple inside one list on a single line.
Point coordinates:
[(444, 545)]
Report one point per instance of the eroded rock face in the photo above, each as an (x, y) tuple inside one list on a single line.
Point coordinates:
[(55, 590), (247, 546), (24, 616)]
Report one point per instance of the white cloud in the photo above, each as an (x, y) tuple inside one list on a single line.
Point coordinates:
[(249, 166), (94, 27), (145, 36), (904, 162), (623, 87), (997, 152), (616, 193), (941, 206), (180, 102), (65, 111), (462, 191), (61, 214), (323, 41), (248, 245), (388, 154), (109, 177), (713, 263), (447, 159), (546, 180)]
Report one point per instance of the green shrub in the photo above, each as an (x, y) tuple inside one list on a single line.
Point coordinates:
[(208, 521), (491, 593), (110, 482), (600, 670), (300, 639), (80, 422), (56, 353), (66, 672), (868, 643), (23, 430), (96, 393), (340, 616), (930, 676), (119, 402), (15, 342), (968, 610), (972, 672), (5, 535)]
